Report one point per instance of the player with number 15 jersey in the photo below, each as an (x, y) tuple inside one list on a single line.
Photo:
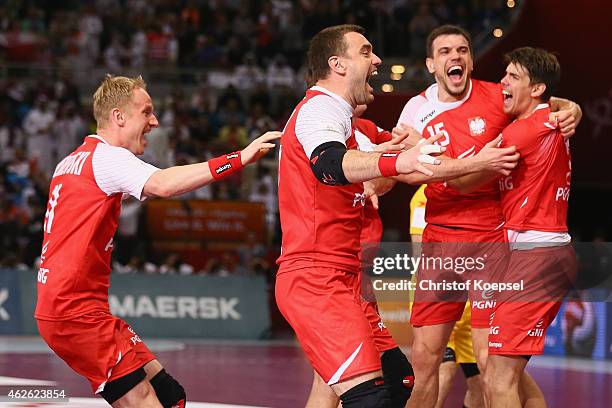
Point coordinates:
[(467, 125)]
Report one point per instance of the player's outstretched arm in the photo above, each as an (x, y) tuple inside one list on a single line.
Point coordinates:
[(565, 114), (182, 179), (490, 160), (362, 166), (468, 183)]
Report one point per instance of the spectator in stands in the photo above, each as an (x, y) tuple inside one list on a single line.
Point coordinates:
[(173, 265), (420, 27), (11, 138), (38, 126), (114, 55), (91, 27), (138, 47), (264, 192), (68, 130), (258, 121), (249, 74), (225, 265), (279, 74), (234, 133), (127, 230)]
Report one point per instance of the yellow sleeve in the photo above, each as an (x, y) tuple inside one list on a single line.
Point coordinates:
[(417, 211)]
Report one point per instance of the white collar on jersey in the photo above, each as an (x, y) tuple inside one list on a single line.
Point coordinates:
[(99, 138), (541, 106), (432, 95), (345, 105)]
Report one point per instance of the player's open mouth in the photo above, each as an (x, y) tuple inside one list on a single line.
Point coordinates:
[(455, 74), (370, 75), (507, 96)]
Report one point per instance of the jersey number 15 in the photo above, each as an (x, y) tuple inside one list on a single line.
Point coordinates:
[(438, 128)]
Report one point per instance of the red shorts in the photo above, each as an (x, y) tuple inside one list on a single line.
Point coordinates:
[(382, 336), (98, 346), (521, 318), (433, 305), (323, 306)]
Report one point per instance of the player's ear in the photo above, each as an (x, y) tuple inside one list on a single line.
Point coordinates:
[(117, 117), (336, 64), (537, 90), (429, 62)]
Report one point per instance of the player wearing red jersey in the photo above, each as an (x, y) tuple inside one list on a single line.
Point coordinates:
[(320, 200), (397, 371), (86, 189), (534, 200), (469, 114)]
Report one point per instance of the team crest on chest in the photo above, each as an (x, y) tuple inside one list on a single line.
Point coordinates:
[(477, 126)]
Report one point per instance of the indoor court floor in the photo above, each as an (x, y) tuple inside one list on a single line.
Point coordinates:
[(226, 374)]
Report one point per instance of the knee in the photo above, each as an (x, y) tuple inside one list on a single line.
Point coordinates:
[(398, 375), (144, 391), (500, 380), (425, 358), (129, 390)]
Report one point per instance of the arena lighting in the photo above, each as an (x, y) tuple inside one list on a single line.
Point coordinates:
[(387, 88), (510, 3), (396, 77), (398, 69), (498, 32)]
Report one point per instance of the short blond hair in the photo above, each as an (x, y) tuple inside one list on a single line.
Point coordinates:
[(114, 92)]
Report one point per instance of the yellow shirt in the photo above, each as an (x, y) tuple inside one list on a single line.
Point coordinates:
[(417, 211)]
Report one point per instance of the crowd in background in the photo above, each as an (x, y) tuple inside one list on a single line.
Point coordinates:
[(260, 44), (220, 33)]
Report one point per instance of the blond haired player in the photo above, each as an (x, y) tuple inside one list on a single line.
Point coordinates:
[(87, 187), (459, 350)]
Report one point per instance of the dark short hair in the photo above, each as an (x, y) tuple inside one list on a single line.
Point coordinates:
[(446, 29), (326, 43), (541, 66)]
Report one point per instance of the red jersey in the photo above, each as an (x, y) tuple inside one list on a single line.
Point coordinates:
[(321, 223), (467, 125), (535, 196), (80, 222), (369, 129), (372, 225)]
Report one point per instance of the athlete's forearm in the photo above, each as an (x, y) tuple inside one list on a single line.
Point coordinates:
[(448, 169), (360, 166), (177, 180), (467, 184), (566, 115), (561, 104)]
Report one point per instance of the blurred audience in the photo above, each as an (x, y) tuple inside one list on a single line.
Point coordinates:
[(258, 46)]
